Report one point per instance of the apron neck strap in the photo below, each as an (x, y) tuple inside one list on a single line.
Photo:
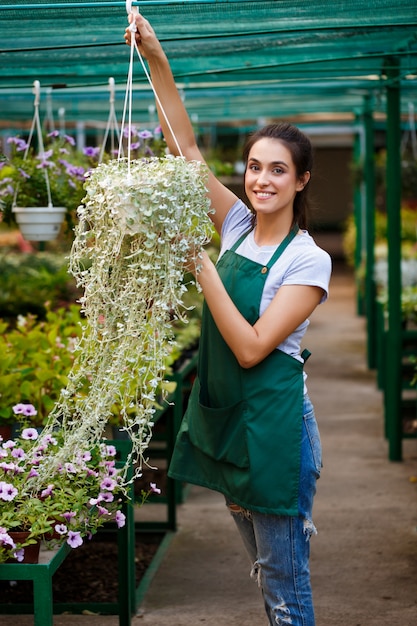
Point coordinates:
[(294, 230)]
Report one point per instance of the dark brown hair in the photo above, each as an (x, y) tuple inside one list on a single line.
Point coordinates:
[(302, 155)]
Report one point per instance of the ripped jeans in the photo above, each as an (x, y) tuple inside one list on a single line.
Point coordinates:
[(279, 546)]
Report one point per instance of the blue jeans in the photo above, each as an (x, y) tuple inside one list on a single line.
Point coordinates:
[(279, 546)]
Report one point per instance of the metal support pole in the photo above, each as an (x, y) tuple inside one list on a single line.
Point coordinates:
[(370, 287), (393, 176), (358, 211)]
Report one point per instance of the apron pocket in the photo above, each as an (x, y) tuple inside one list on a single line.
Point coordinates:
[(220, 433)]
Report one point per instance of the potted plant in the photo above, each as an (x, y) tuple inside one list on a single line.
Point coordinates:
[(41, 188), (140, 224), (83, 493), (36, 357)]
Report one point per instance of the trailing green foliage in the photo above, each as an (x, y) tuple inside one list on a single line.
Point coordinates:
[(140, 227)]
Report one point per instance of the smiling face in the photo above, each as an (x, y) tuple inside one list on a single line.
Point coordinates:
[(271, 180)]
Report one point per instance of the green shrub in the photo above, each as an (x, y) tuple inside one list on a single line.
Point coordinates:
[(35, 359), (32, 283)]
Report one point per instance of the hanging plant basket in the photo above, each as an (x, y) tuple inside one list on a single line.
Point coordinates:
[(140, 225), (39, 223)]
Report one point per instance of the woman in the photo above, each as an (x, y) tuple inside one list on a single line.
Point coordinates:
[(250, 431)]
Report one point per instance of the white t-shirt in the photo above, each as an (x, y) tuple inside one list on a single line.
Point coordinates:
[(301, 263)]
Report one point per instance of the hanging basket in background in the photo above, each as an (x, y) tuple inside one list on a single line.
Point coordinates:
[(39, 223), (46, 184)]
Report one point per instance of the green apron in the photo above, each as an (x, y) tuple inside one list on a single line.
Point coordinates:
[(241, 433)]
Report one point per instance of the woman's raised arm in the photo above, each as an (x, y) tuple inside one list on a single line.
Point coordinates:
[(180, 129)]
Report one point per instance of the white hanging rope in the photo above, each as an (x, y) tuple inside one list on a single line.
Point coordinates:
[(129, 89), (36, 123), (112, 126)]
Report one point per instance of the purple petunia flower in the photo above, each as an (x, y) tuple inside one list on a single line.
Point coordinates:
[(106, 496), (19, 143), (29, 434), (61, 529), (132, 131), (74, 539), (120, 519), (48, 491), (19, 555), (108, 484), (7, 467), (22, 173), (44, 163), (154, 488), (24, 409), (19, 454), (70, 140), (9, 444), (102, 510), (91, 151), (145, 134), (111, 451), (6, 540), (7, 491), (112, 472)]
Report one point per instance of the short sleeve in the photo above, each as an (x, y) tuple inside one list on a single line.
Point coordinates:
[(312, 266)]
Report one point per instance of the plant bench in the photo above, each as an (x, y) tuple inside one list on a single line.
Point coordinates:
[(49, 561), (406, 414)]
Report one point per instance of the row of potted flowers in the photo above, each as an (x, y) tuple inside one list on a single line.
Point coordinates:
[(84, 493)]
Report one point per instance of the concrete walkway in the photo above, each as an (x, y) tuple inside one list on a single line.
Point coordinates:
[(364, 559)]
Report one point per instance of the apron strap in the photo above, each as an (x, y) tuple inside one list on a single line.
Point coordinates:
[(294, 230), (241, 238), (306, 354)]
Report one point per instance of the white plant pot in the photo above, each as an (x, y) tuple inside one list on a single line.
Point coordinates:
[(39, 223)]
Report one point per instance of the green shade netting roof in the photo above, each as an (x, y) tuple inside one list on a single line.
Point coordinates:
[(234, 59)]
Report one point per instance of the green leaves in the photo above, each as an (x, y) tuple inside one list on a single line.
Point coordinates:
[(35, 360)]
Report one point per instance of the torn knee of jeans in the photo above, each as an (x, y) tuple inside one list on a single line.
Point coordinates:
[(281, 613), (255, 573), (309, 529)]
